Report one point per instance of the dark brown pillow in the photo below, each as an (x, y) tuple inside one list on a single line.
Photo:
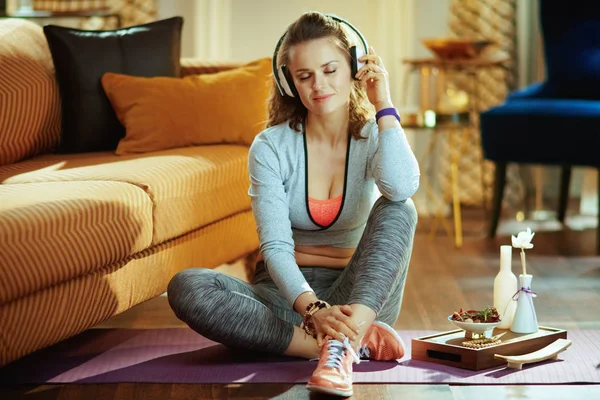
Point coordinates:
[(81, 57)]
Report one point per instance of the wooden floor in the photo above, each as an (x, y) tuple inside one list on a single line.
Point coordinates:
[(442, 279)]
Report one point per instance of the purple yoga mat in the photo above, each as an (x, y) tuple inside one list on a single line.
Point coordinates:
[(182, 356)]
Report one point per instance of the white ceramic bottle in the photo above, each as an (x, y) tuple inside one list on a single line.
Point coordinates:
[(525, 318), (505, 286)]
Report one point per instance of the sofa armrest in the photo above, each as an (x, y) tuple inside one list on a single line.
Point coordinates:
[(197, 66)]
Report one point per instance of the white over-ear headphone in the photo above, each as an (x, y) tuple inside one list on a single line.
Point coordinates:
[(284, 80)]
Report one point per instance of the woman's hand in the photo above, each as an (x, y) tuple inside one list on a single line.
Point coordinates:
[(335, 322), (374, 77)]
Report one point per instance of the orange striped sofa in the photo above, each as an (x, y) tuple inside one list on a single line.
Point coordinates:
[(84, 237)]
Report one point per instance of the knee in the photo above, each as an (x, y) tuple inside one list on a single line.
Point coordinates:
[(403, 211), (185, 286), (409, 212)]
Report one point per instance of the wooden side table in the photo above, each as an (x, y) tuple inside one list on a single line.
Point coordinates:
[(457, 125)]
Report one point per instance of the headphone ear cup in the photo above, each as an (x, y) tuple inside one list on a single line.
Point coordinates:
[(286, 82), (281, 82), (355, 64)]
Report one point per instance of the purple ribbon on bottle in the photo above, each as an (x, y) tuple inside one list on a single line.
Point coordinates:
[(527, 290)]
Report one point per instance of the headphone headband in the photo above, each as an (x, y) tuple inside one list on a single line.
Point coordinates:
[(280, 41)]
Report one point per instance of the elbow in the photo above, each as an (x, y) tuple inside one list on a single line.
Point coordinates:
[(400, 192)]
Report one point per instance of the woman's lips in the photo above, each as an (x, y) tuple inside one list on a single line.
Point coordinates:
[(322, 98)]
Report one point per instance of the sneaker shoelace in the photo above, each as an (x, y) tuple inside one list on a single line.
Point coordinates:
[(364, 351), (335, 350)]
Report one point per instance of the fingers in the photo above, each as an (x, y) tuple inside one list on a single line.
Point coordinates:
[(370, 77), (346, 309), (342, 329), (371, 57), (344, 318), (373, 62), (370, 70), (343, 323), (336, 323), (320, 339), (325, 324), (329, 330)]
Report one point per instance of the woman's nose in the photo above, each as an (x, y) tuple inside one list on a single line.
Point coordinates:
[(319, 81)]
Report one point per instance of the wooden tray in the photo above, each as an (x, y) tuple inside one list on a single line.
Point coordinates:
[(446, 348)]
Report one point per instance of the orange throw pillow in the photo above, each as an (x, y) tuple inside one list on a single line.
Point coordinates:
[(160, 113)]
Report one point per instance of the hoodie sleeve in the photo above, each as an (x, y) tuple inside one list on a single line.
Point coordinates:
[(392, 163), (271, 212)]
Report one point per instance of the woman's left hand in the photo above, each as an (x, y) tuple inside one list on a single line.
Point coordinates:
[(374, 77)]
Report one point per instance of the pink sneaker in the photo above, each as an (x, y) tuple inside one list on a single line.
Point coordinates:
[(381, 343), (333, 374)]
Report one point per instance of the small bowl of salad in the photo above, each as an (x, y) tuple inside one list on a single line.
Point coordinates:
[(479, 322)]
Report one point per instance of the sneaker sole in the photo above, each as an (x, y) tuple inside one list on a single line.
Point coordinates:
[(335, 392), (393, 332)]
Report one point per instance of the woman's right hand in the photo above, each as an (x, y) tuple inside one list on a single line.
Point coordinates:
[(334, 322)]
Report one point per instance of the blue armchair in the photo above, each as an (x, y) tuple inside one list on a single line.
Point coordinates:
[(555, 122)]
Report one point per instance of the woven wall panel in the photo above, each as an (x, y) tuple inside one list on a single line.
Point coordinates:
[(493, 20)]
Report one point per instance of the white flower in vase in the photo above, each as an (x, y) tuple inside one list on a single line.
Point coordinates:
[(525, 319), (523, 241)]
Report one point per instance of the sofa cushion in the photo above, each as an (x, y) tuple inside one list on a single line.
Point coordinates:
[(82, 57), (29, 99), (54, 231), (190, 187), (161, 113)]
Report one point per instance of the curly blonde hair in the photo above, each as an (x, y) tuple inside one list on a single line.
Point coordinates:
[(315, 25)]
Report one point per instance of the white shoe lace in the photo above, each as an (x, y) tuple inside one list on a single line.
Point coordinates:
[(364, 352), (335, 348)]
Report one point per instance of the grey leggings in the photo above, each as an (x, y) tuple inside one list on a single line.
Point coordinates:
[(256, 316)]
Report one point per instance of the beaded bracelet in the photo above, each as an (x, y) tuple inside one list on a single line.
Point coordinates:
[(307, 323)]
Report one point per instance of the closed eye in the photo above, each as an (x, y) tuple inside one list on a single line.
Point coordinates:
[(305, 77)]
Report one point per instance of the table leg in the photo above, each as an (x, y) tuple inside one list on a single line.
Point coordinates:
[(430, 197), (455, 192), (446, 197), (458, 236)]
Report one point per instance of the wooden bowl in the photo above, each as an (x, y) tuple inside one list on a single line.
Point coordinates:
[(455, 48)]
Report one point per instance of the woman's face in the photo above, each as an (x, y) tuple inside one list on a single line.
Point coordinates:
[(321, 73)]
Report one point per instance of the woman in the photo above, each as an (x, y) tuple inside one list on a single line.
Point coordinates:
[(332, 267)]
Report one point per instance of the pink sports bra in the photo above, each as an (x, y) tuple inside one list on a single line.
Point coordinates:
[(324, 211)]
